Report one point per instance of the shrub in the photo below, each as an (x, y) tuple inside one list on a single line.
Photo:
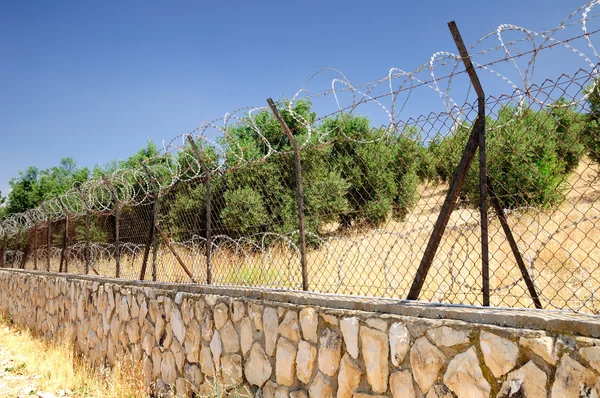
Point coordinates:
[(529, 156)]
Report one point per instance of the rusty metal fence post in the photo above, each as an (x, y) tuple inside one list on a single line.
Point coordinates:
[(3, 247), (299, 193), (117, 215), (35, 247), (64, 255), (207, 175), (474, 142), (48, 245), (152, 231)]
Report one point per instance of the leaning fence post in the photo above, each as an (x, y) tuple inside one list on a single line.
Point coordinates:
[(457, 180), (483, 188), (300, 196), (64, 255), (117, 214), (514, 247), (151, 232), (208, 209)]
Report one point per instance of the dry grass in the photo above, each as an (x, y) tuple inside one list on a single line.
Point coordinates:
[(561, 247), (54, 367)]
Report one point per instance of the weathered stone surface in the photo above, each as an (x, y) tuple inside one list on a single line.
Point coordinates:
[(206, 361), (447, 337), (193, 339), (178, 354), (309, 321), (243, 391), (182, 387), (285, 362), (298, 394), (399, 342), (305, 361), (177, 325), (168, 371), (330, 319), (500, 354), (528, 381), (238, 310), (220, 315), (441, 391), (124, 309), (231, 369), (377, 323), (269, 389), (257, 368), (289, 327), (216, 349), (401, 384), (375, 350), (230, 338), (133, 331), (348, 378), (246, 335), (320, 387), (193, 374), (156, 359), (426, 361), (592, 355), (349, 328), (168, 337), (207, 326), (464, 376), (542, 346), (270, 325), (572, 379), (148, 343), (330, 352), (282, 392), (255, 312)]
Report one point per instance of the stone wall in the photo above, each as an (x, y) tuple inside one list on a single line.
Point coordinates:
[(253, 342)]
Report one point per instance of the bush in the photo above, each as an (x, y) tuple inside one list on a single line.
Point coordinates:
[(529, 156)]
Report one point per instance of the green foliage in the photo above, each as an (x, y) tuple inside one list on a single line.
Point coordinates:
[(591, 130), (33, 186), (529, 155)]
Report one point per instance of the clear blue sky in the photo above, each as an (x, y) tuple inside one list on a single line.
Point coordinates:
[(95, 80)]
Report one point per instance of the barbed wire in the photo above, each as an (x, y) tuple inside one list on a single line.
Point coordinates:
[(177, 173)]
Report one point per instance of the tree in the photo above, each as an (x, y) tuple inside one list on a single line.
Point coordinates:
[(530, 154)]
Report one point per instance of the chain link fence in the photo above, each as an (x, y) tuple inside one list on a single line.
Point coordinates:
[(494, 201)]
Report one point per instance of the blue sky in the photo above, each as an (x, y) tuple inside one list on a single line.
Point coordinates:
[(96, 80)]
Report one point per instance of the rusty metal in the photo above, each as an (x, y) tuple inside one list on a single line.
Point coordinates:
[(3, 247), (207, 174), (447, 208), (513, 246), (35, 247), (64, 257), (174, 252), (151, 232), (299, 194), (48, 245), (86, 249), (476, 140), (117, 216), (483, 191)]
